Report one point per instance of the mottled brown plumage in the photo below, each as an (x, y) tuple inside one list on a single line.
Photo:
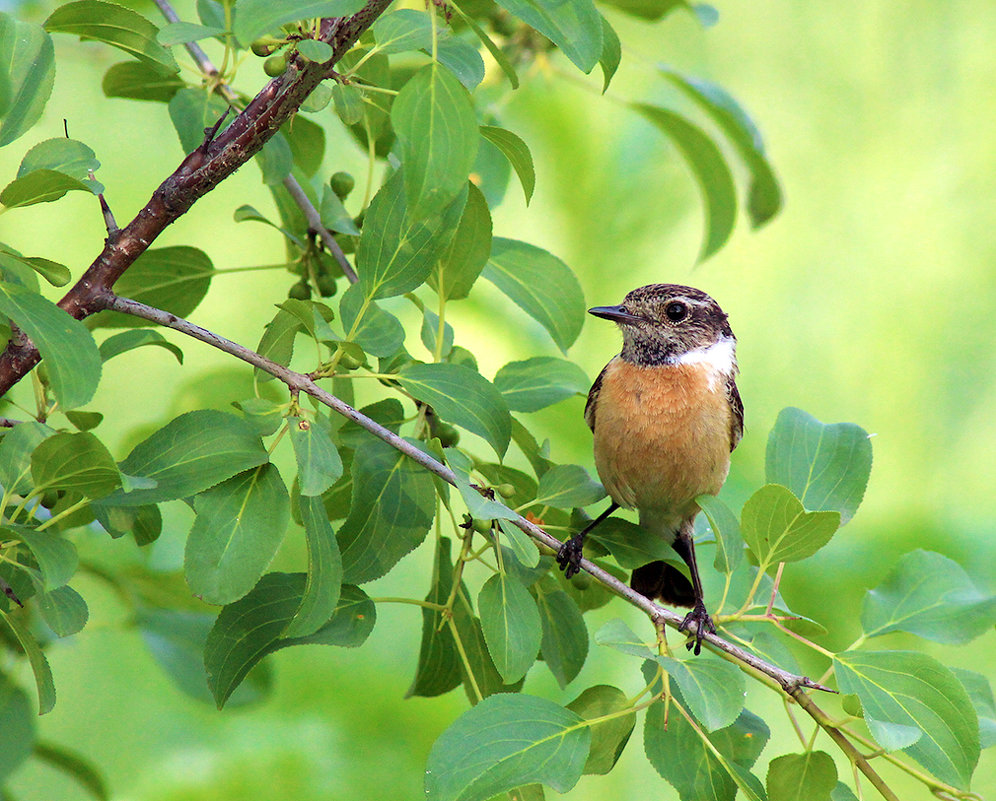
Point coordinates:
[(665, 414)]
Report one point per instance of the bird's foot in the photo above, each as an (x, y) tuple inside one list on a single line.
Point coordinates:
[(569, 556), (703, 624)]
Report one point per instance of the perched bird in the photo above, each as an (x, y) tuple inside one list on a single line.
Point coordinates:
[(665, 414)]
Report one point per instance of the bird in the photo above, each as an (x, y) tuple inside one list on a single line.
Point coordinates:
[(665, 415)]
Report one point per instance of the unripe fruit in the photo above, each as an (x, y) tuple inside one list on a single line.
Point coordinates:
[(505, 490), (342, 184), (448, 435), (482, 526), (581, 580), (275, 65), (299, 291), (349, 362), (260, 48), (327, 286), (50, 498)]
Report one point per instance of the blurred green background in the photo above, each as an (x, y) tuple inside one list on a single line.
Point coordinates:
[(870, 298)]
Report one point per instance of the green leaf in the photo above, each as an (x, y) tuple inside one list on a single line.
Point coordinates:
[(777, 529), (468, 251), (192, 453), (429, 334), (29, 63), (67, 156), (713, 689), (17, 722), (616, 634), (541, 285), (129, 340), (710, 170), (240, 524), (392, 508), (496, 52), (318, 462), (39, 664), (85, 421), (521, 546), (321, 592), (678, 754), (176, 33), (609, 738), (929, 595), (912, 702), (307, 142), (74, 766), (463, 60), (348, 101), (463, 397), (16, 448), (275, 160), (65, 345), (438, 669), (981, 696), (114, 25), (56, 556), (802, 777), (39, 186), (433, 117), (575, 27), (567, 485), (504, 742), (517, 152), (539, 382), (397, 251), (842, 793), (315, 50), (334, 215), (176, 641), (630, 545), (764, 197), (726, 529), (404, 29), (174, 279), (191, 111), (56, 274), (134, 80), (253, 18), (75, 463), (825, 465), (251, 628), (379, 333), (64, 610), (611, 54), (511, 625), (565, 636)]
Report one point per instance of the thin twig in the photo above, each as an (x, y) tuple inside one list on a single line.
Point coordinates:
[(789, 682)]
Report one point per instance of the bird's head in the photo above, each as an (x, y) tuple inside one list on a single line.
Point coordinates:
[(671, 324)]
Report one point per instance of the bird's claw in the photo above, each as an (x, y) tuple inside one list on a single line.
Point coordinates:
[(703, 624), (569, 557)]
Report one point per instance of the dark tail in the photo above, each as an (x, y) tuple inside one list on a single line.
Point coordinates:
[(664, 581)]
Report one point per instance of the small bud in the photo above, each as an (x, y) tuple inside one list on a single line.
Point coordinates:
[(505, 490)]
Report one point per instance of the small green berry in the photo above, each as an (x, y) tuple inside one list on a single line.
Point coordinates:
[(342, 184), (275, 65), (448, 435), (327, 286), (50, 498), (482, 526), (300, 291), (581, 581), (349, 362), (260, 48), (505, 490)]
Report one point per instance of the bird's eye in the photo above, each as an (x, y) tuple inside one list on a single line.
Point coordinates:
[(676, 312)]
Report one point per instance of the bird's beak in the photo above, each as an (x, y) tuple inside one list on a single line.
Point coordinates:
[(615, 313)]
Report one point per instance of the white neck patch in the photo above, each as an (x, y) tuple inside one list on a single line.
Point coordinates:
[(719, 358)]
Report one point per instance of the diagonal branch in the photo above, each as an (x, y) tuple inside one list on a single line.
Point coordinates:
[(198, 174)]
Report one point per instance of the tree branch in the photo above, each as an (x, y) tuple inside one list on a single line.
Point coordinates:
[(198, 174), (299, 382)]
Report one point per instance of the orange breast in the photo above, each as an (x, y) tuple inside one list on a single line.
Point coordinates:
[(662, 437)]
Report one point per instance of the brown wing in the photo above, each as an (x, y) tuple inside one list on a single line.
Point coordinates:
[(737, 407), (589, 407)]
